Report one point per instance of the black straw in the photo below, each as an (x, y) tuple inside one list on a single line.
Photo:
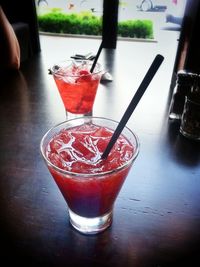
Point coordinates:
[(135, 100), (96, 57)]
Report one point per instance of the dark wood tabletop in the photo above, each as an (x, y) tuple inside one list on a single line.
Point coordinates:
[(157, 213)]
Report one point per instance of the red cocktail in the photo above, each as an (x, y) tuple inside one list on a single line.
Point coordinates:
[(77, 85), (72, 151)]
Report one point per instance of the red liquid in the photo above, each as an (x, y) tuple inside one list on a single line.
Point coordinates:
[(79, 150), (78, 93)]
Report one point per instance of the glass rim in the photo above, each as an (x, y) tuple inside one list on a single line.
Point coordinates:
[(89, 175), (98, 70)]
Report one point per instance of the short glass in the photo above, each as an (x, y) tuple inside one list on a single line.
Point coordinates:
[(190, 122), (90, 196), (77, 86)]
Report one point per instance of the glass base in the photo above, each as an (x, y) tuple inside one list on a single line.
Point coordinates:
[(90, 225), (189, 135), (70, 115)]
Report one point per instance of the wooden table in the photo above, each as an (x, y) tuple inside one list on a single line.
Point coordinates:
[(157, 214)]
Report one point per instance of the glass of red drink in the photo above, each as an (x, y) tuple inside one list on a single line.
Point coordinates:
[(77, 85), (72, 151)]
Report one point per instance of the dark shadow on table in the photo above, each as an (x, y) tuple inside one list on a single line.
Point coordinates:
[(184, 150)]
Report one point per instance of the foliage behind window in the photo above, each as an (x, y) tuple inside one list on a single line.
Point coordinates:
[(88, 24)]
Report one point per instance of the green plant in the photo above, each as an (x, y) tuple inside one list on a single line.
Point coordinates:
[(88, 24), (136, 29), (82, 23)]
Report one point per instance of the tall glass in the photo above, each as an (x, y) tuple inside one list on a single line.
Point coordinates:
[(90, 187), (77, 85), (190, 121)]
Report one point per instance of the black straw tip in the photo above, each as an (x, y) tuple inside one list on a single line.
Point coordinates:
[(135, 100), (96, 57)]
